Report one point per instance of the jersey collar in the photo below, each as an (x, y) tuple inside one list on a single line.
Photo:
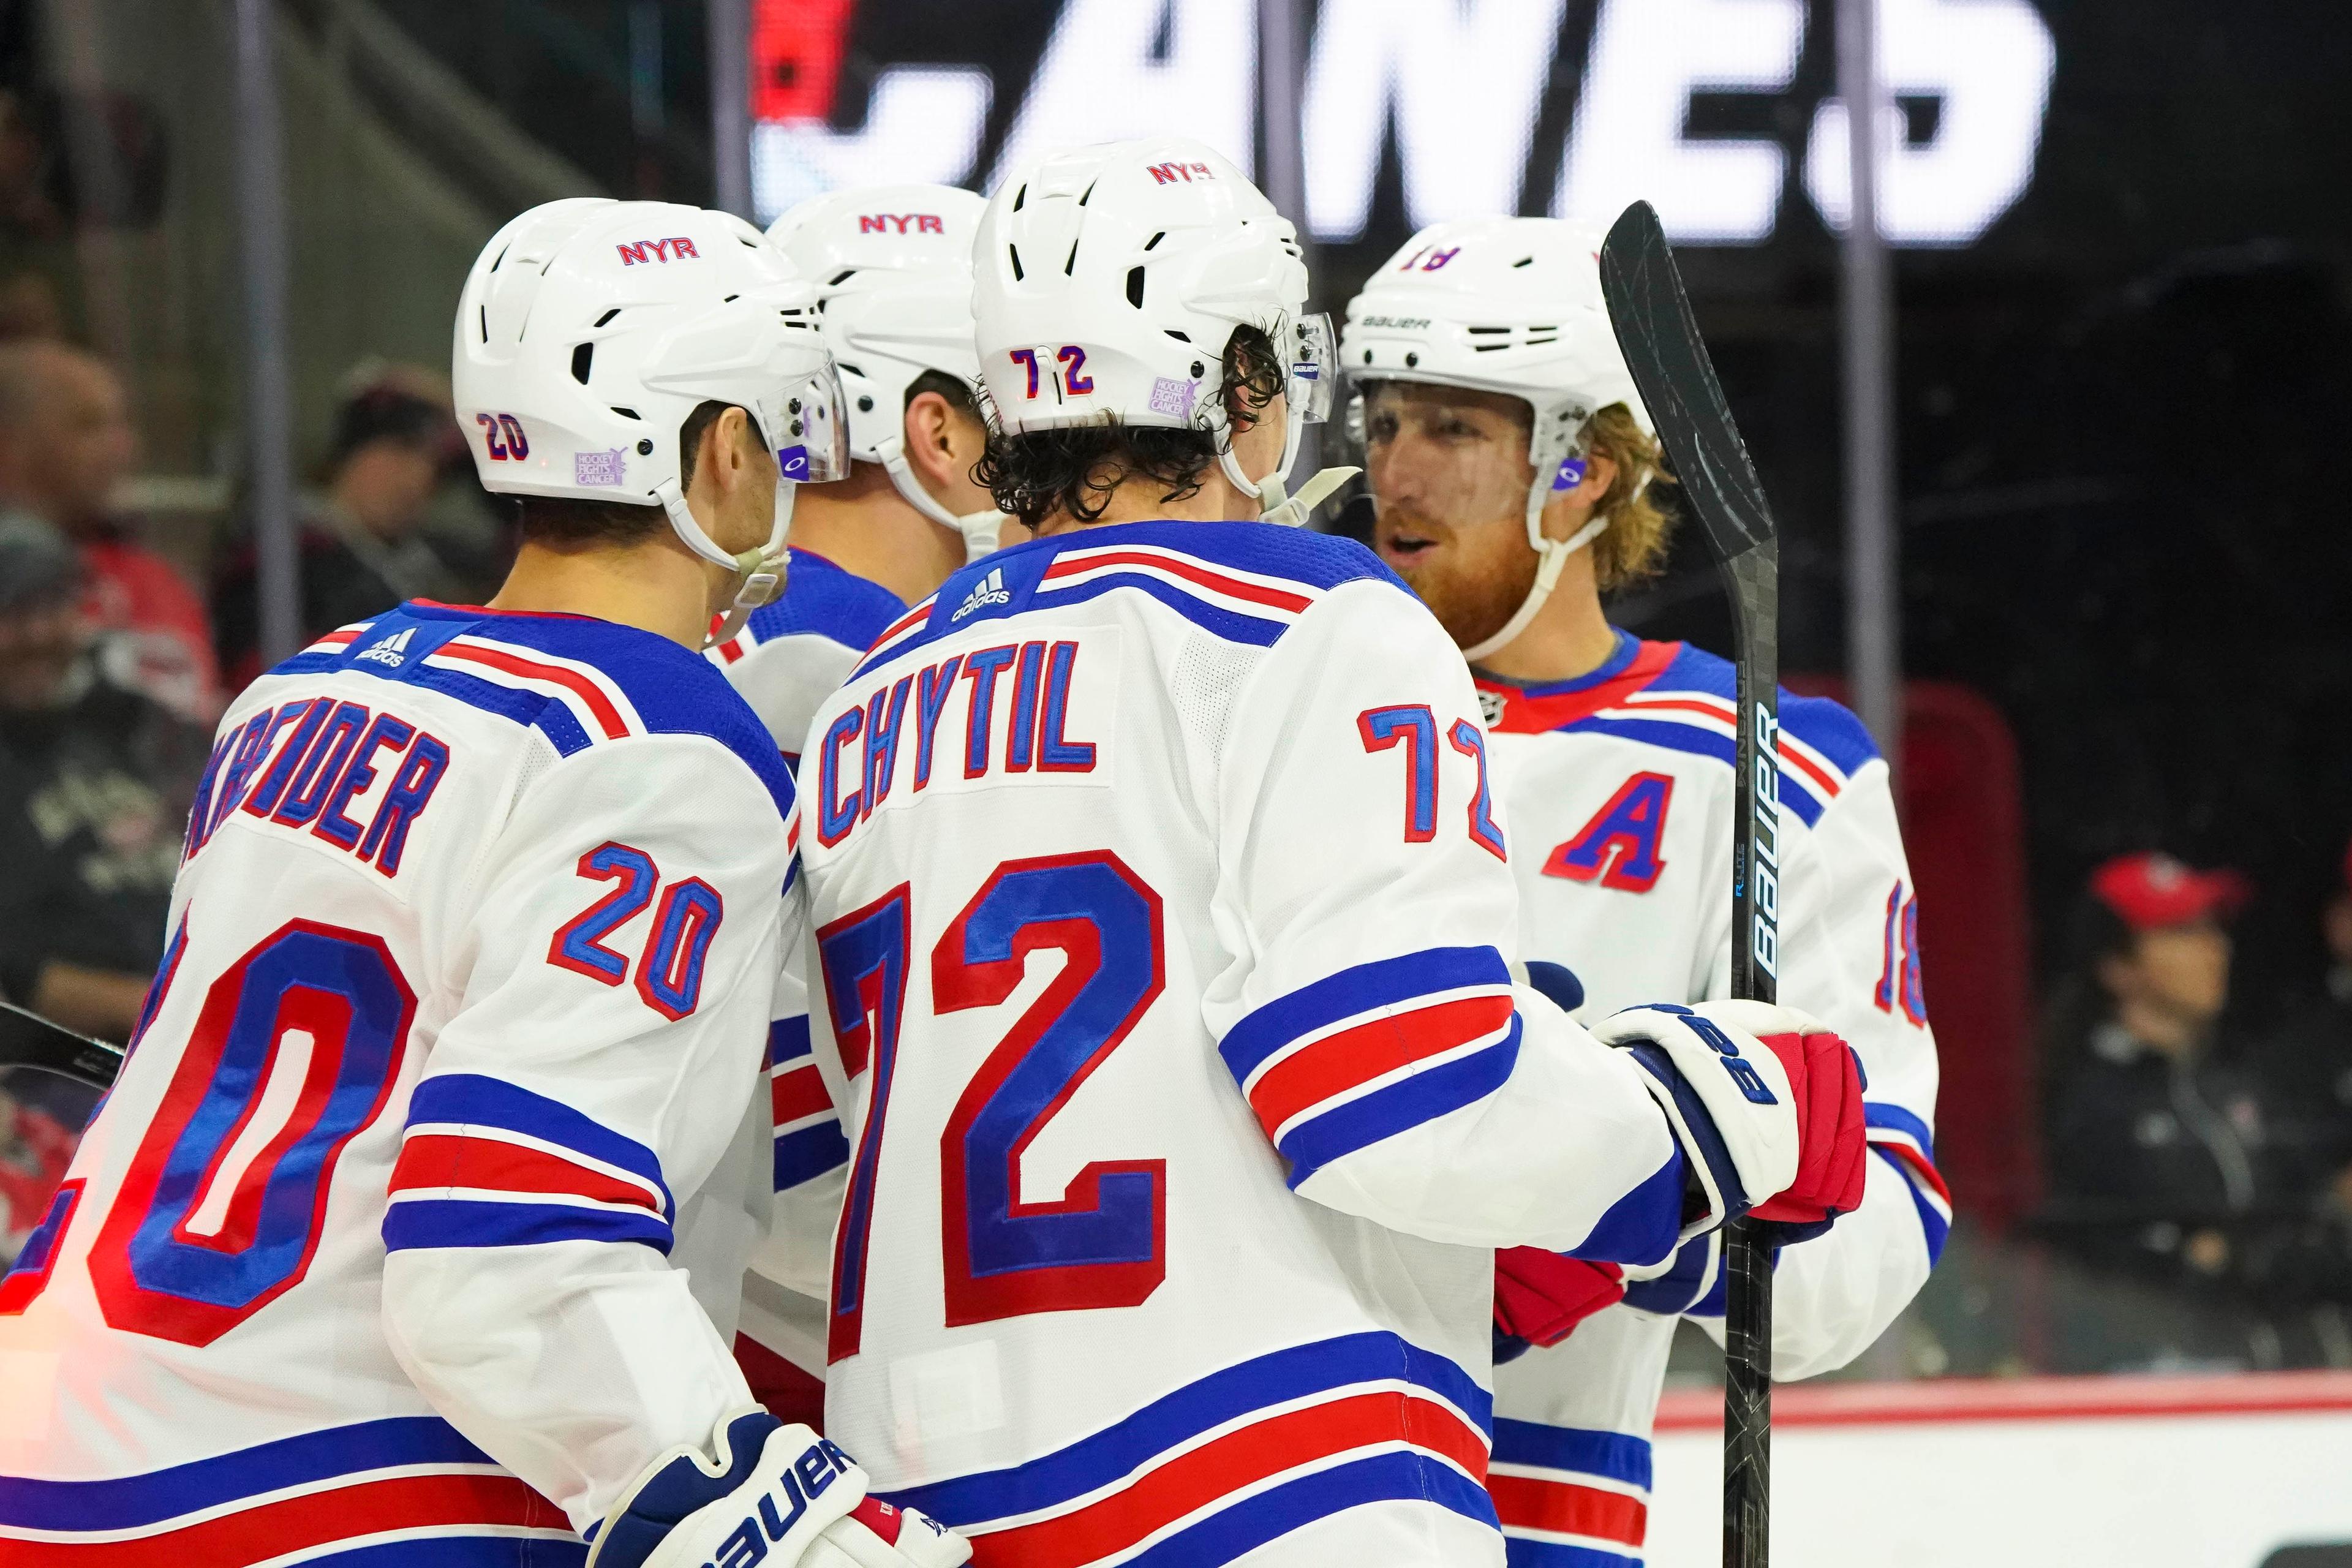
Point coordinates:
[(1534, 707)]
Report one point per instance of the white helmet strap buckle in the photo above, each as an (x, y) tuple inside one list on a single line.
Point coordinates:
[(1294, 511), (759, 571)]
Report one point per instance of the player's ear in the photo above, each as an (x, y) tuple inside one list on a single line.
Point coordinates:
[(731, 442), (1600, 473), (933, 426)]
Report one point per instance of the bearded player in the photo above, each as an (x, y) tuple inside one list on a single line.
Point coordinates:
[(1515, 475), (1165, 936), (408, 1229)]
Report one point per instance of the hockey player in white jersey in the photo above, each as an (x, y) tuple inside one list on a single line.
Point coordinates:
[(892, 269), (891, 266), (1511, 463), (408, 1230), (1165, 933)]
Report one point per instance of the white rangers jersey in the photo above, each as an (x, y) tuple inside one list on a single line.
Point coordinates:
[(794, 653), (1620, 787), (381, 1248), (1164, 924), (791, 655)]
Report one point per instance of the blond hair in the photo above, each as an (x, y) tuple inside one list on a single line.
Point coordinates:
[(1633, 546)]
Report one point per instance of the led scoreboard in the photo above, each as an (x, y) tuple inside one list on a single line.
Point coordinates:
[(1449, 90)]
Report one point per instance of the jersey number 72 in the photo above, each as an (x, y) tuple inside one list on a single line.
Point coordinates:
[(1104, 1243)]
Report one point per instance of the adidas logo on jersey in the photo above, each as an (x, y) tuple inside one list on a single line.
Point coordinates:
[(391, 650), (988, 590)]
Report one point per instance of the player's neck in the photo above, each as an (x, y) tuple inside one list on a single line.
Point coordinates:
[(655, 584), (863, 525), (1569, 637), (1145, 501)]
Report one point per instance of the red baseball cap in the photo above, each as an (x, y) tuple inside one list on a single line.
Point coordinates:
[(2151, 888)]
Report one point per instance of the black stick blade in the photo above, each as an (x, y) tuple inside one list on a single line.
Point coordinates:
[(29, 1040), (1651, 316)]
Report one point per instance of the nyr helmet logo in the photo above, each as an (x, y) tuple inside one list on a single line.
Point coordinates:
[(900, 223), (1169, 174), (653, 250)]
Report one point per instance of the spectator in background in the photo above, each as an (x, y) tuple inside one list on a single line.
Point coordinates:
[(2164, 1159), (95, 782), (66, 442), (364, 547)]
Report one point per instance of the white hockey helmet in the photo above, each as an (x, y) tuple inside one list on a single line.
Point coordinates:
[(892, 266), (591, 328), (1510, 305), (1108, 282)]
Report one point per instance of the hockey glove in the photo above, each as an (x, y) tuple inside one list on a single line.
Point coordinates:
[(876, 1535), (1540, 1296), (1557, 981), (1766, 1103), (775, 1491)]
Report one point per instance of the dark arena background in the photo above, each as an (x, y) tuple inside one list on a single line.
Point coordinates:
[(2105, 393)]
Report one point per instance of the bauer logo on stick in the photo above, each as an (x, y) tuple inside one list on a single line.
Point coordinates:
[(1765, 928)]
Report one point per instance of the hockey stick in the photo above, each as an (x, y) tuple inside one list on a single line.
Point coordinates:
[(53, 1048), (1651, 316)]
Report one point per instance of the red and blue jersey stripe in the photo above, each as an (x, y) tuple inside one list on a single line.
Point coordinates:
[(1374, 1050), (483, 1162), (1679, 697), (403, 1489), (1905, 1141), (809, 1140), (577, 681), (1568, 1497), (1222, 1466), (1240, 581)]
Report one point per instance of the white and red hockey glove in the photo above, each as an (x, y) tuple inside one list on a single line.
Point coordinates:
[(775, 1494), (1766, 1103)]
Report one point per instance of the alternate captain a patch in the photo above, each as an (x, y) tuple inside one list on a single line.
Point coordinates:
[(1619, 847)]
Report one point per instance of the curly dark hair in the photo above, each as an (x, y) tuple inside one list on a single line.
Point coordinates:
[(1074, 470)]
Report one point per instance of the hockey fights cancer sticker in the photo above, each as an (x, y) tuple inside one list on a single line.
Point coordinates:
[(608, 467)]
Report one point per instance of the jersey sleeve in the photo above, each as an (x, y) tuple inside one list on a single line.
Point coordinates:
[(781, 1334), (597, 1076), (1370, 1018), (810, 1164), (1849, 946)]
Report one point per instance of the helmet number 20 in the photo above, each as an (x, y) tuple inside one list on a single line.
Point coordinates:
[(1071, 379), (502, 434)]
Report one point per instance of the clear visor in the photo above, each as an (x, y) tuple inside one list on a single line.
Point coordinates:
[(811, 427), (1314, 368), (1344, 442)]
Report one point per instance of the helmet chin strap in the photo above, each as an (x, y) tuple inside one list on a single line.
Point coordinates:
[(1274, 503), (1551, 558), (979, 529), (759, 571)]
